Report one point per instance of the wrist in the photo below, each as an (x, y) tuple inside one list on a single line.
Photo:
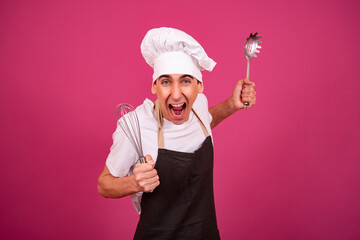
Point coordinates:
[(234, 104), (135, 186)]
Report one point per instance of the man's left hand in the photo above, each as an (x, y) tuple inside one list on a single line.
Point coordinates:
[(244, 92)]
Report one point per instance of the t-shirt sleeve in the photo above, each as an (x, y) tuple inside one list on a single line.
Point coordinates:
[(122, 156)]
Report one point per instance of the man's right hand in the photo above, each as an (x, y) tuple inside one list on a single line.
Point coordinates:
[(146, 176)]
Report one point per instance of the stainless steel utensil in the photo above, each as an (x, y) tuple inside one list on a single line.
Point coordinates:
[(129, 123), (251, 47)]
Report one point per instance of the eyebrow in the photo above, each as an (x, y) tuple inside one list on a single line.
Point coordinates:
[(164, 76), (182, 76), (187, 75)]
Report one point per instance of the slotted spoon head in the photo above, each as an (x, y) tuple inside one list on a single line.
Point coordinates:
[(252, 45)]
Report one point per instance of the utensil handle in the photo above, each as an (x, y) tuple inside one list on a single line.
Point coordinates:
[(246, 104), (248, 67)]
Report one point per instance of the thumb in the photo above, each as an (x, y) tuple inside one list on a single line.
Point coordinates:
[(238, 88), (149, 159)]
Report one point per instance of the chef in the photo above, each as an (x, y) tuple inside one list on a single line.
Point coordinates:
[(173, 190)]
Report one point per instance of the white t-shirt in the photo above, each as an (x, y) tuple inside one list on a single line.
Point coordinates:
[(186, 137)]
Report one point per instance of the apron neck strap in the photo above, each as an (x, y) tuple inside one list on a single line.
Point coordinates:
[(160, 121)]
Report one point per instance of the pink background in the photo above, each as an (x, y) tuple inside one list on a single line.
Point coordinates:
[(287, 168)]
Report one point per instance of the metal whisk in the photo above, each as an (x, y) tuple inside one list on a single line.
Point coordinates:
[(129, 123)]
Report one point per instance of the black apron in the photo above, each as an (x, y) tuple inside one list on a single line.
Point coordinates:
[(182, 206)]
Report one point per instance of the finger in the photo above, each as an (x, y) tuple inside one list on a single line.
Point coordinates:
[(248, 94), (240, 82), (145, 167), (246, 99), (144, 179), (248, 89), (149, 159), (253, 101), (155, 184), (147, 182), (153, 179), (245, 95), (151, 188), (248, 82), (149, 174)]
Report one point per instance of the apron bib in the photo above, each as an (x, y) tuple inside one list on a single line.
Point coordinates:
[(182, 206)]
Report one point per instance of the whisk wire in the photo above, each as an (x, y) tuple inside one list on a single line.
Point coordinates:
[(129, 123)]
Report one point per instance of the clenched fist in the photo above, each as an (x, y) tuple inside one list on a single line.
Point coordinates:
[(146, 176), (244, 92)]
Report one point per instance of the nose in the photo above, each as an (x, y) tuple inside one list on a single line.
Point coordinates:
[(176, 92)]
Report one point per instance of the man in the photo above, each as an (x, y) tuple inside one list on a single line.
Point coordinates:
[(176, 132)]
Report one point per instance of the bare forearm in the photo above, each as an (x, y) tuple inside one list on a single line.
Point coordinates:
[(116, 187), (243, 92), (145, 179), (222, 111)]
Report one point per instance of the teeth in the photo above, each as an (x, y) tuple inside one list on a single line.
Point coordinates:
[(177, 105)]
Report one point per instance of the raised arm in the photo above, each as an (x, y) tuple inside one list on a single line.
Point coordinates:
[(243, 92)]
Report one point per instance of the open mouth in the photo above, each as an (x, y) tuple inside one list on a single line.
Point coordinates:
[(177, 110)]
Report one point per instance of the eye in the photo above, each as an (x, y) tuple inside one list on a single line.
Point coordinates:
[(187, 81), (165, 82)]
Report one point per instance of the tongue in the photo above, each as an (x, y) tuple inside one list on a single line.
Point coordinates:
[(177, 110)]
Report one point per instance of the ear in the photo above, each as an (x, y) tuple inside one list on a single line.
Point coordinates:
[(200, 87), (153, 88)]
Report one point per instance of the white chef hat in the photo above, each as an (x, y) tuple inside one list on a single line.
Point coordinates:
[(171, 51)]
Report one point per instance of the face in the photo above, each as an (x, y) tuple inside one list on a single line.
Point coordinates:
[(176, 94)]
